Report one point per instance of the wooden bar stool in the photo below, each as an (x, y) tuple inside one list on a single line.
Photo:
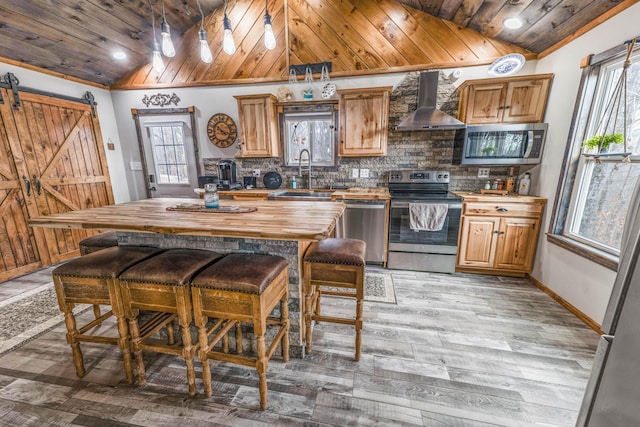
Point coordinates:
[(241, 288), (97, 242), (333, 263), (161, 285), (91, 279)]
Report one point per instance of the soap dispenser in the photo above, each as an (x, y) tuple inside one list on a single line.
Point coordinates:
[(294, 184)]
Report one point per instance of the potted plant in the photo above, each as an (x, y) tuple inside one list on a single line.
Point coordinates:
[(488, 151), (601, 143)]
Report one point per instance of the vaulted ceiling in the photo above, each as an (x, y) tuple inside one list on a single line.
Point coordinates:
[(76, 38)]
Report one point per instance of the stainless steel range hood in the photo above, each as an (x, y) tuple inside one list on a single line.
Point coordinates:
[(427, 116)]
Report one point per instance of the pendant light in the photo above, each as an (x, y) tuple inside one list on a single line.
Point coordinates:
[(157, 62), (205, 51), (269, 37), (228, 45), (167, 45)]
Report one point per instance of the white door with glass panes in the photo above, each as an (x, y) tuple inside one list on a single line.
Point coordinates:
[(169, 155)]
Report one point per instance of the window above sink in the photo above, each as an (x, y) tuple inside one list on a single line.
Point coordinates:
[(311, 126)]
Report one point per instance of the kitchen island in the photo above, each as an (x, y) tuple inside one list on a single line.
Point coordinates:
[(284, 228)]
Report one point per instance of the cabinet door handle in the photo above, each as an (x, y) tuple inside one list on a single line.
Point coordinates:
[(28, 184), (38, 186), (502, 209)]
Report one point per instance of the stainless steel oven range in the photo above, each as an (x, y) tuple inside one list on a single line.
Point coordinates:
[(424, 221)]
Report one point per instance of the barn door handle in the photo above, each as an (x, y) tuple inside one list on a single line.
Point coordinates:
[(38, 186), (28, 184)]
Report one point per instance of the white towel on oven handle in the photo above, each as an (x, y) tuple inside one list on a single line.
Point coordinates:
[(427, 216)]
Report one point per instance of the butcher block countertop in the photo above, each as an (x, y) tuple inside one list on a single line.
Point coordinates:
[(273, 219), (377, 193), (511, 198)]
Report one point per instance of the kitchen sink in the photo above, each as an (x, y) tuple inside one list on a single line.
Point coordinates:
[(300, 195)]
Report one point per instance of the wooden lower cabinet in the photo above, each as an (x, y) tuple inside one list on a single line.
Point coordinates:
[(499, 238)]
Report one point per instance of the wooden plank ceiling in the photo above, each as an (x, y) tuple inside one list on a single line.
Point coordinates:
[(355, 36), (76, 38)]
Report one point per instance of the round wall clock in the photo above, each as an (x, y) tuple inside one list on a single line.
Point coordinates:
[(222, 130)]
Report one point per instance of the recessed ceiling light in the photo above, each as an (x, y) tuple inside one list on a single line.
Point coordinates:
[(119, 55), (512, 23)]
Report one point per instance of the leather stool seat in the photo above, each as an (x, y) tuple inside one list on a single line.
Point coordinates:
[(91, 279), (241, 288), (161, 285), (98, 242), (328, 264)]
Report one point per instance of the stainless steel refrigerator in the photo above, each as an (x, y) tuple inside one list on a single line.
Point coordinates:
[(612, 397)]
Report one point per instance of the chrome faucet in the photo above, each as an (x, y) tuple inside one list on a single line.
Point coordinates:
[(308, 167)]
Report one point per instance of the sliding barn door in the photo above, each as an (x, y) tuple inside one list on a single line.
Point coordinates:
[(60, 146), (18, 250)]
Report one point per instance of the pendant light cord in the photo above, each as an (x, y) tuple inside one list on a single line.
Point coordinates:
[(201, 14), (153, 22)]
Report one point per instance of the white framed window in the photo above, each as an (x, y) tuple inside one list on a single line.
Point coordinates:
[(313, 131), (169, 154), (604, 181)]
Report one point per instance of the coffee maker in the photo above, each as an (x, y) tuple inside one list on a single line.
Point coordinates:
[(227, 175)]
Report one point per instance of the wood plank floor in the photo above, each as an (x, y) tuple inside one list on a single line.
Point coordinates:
[(456, 350)]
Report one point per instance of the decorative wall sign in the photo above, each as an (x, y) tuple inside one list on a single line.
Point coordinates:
[(161, 99)]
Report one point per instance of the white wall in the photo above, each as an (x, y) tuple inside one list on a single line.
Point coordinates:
[(583, 283), (108, 125)]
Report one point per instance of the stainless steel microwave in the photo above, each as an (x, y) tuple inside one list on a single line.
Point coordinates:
[(500, 144)]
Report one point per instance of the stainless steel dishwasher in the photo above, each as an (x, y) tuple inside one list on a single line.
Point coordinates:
[(365, 220)]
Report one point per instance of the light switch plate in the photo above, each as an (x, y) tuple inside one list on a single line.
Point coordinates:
[(354, 173), (135, 166), (364, 173), (483, 172)]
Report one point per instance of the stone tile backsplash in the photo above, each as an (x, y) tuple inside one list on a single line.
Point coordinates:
[(406, 150)]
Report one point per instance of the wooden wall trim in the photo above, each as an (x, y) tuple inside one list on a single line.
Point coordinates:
[(334, 75), (566, 304)]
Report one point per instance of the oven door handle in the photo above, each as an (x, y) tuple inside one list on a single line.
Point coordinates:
[(402, 205)]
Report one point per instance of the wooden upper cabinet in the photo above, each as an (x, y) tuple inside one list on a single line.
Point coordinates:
[(364, 118), (258, 126), (521, 99)]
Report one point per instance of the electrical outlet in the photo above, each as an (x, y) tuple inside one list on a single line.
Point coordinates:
[(354, 173), (364, 173), (483, 172), (255, 172)]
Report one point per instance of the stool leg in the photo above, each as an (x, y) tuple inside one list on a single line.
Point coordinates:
[(239, 344), (134, 329), (203, 340), (72, 333), (284, 321), (184, 320), (261, 367), (96, 310), (308, 302), (359, 309), (125, 348), (72, 327)]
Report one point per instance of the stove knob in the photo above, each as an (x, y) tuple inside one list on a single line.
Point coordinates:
[(440, 176), (445, 176)]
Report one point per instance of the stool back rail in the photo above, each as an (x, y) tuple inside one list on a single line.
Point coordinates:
[(161, 284), (241, 288), (91, 279)]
